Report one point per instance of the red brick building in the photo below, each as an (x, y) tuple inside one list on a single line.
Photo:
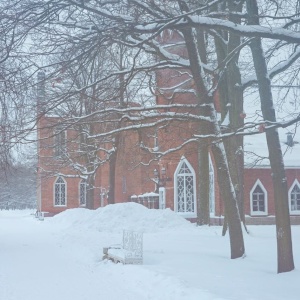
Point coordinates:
[(173, 177)]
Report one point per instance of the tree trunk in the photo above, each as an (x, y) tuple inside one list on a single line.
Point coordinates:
[(224, 179), (90, 203), (114, 156), (203, 213), (203, 216), (231, 100), (112, 177), (230, 203), (284, 240)]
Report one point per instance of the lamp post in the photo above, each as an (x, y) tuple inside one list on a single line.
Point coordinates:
[(160, 177), (103, 194)]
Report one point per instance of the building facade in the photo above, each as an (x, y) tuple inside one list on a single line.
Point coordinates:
[(170, 181)]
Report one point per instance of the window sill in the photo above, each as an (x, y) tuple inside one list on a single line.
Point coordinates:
[(295, 213), (258, 214), (187, 215)]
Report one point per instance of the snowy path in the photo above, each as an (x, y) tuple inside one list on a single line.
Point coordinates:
[(36, 268), (36, 263), (60, 259)]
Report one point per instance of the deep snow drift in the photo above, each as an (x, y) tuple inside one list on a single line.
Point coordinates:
[(117, 217), (60, 258)]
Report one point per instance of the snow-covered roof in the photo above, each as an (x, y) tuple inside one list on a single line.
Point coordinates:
[(255, 146)]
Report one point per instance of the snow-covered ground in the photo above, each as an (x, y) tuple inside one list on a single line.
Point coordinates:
[(60, 258)]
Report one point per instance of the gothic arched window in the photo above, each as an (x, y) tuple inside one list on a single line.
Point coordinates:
[(185, 189), (294, 198), (60, 188), (258, 199)]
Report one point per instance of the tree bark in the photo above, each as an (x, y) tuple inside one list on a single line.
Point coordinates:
[(231, 100), (285, 261), (230, 203), (224, 179), (203, 213), (90, 203), (203, 216), (113, 169), (114, 156), (112, 177)]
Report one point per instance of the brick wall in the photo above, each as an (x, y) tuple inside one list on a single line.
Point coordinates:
[(264, 175)]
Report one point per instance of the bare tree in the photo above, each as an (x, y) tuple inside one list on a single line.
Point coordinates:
[(88, 26), (283, 228)]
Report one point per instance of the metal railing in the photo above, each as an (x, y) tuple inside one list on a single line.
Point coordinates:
[(150, 200)]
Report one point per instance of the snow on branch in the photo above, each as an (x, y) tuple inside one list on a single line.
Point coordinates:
[(282, 66), (274, 33), (252, 128)]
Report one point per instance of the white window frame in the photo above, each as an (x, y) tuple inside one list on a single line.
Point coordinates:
[(259, 213), (185, 214), (80, 183), (65, 183), (293, 212)]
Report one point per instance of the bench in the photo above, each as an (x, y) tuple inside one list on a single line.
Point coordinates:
[(130, 252)]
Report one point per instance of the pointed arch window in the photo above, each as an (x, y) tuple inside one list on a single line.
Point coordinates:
[(294, 198), (185, 189), (60, 188), (259, 199), (82, 192)]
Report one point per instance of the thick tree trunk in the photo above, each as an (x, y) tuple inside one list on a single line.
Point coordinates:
[(90, 203), (112, 178), (234, 154), (203, 217), (235, 148), (224, 179), (203, 213), (89, 159), (284, 240), (227, 191), (114, 156), (231, 100), (230, 203)]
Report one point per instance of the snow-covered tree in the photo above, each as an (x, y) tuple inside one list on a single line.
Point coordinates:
[(212, 38)]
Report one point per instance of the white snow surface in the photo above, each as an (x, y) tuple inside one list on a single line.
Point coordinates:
[(115, 218), (61, 258)]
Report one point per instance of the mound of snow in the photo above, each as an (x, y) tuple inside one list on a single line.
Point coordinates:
[(73, 217), (120, 216)]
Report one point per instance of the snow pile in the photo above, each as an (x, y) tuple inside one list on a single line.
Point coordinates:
[(182, 263), (120, 216), (73, 217)]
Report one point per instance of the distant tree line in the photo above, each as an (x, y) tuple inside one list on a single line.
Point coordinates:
[(18, 187)]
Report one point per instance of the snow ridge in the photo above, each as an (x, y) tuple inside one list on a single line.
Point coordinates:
[(120, 216)]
